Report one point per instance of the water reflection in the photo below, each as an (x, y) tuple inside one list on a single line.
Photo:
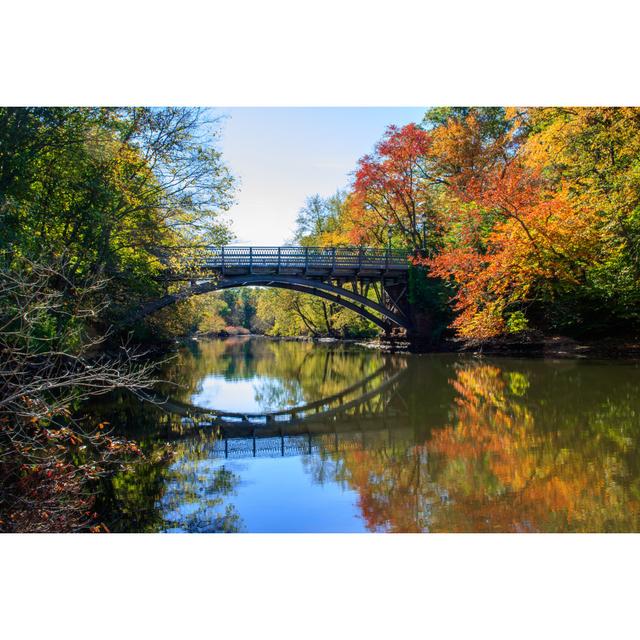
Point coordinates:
[(454, 444), (281, 374), (520, 451)]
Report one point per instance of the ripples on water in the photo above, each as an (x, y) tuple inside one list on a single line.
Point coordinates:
[(379, 442)]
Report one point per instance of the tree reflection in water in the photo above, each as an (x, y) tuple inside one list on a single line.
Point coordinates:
[(491, 468), (285, 373), (178, 487)]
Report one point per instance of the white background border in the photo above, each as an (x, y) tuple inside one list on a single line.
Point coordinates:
[(334, 52), (319, 586)]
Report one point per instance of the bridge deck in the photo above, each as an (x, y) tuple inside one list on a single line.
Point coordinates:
[(308, 260)]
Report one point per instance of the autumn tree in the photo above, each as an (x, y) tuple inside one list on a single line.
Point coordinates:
[(544, 236), (536, 248), (468, 142), (396, 188), (592, 153)]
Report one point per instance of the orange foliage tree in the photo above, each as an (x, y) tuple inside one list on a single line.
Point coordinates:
[(532, 215), (537, 245)]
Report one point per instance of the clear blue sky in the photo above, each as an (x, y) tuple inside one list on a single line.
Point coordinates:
[(282, 155)]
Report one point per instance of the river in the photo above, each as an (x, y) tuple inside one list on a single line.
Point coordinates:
[(259, 435)]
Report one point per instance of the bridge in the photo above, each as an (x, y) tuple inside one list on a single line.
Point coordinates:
[(369, 281)]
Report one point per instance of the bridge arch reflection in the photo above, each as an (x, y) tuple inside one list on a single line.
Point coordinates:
[(350, 418)]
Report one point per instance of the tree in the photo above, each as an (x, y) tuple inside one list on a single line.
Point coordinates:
[(542, 230), (470, 141), (48, 363), (122, 191), (318, 219), (536, 248), (592, 154), (394, 187)]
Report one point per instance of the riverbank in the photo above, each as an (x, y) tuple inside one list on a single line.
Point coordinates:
[(530, 344), (525, 345), (537, 345), (248, 334)]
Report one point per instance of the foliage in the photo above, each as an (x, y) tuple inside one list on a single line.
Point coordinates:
[(122, 192), (531, 216), (547, 230), (96, 204), (288, 313), (393, 187), (538, 248), (318, 222), (238, 308), (48, 363)]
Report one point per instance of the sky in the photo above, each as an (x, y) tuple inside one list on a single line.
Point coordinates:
[(280, 156)]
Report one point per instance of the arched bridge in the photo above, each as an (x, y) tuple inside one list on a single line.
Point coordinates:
[(372, 282)]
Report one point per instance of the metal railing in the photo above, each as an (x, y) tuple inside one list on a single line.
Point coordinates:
[(303, 258), (307, 444)]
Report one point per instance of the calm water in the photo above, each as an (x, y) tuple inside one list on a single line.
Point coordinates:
[(409, 443)]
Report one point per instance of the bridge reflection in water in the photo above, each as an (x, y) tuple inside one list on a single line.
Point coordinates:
[(361, 416)]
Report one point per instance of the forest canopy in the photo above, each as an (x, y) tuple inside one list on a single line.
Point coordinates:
[(111, 192), (518, 218)]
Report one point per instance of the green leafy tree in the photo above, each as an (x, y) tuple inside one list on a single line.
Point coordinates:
[(122, 192)]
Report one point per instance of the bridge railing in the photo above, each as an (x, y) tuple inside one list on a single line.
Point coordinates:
[(303, 258)]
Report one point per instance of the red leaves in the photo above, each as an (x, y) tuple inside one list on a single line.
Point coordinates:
[(392, 168), (391, 186), (47, 481)]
